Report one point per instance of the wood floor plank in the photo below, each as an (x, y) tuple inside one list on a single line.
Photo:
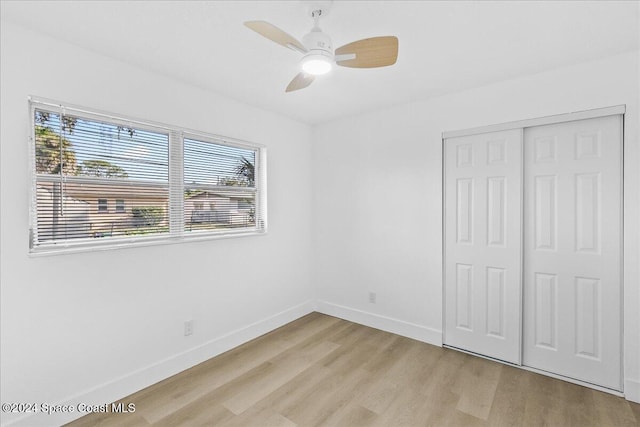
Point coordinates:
[(356, 416), (195, 384), (287, 369), (349, 357), (329, 396), (111, 420), (429, 400), (324, 371), (216, 395), (392, 348), (613, 411), (337, 389), (181, 390), (306, 326), (476, 385), (262, 417), (200, 413), (578, 405), (296, 391), (510, 397), (402, 376), (543, 405), (635, 408)]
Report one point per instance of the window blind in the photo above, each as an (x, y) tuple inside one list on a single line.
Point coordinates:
[(100, 179), (219, 186)]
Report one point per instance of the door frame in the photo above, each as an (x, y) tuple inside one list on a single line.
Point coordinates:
[(522, 124), (540, 121)]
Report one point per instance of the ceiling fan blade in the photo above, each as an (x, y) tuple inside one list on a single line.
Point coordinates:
[(275, 34), (369, 53), (300, 81)]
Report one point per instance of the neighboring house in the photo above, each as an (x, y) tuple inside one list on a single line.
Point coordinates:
[(119, 209), (229, 209), (70, 220), (109, 211)]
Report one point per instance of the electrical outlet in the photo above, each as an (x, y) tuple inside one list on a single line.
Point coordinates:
[(372, 297), (188, 327)]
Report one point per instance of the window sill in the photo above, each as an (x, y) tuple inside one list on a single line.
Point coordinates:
[(123, 243)]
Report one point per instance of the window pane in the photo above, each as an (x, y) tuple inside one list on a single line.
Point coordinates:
[(97, 179), (215, 164), (220, 187)]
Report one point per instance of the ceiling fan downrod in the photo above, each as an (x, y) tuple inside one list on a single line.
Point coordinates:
[(319, 58)]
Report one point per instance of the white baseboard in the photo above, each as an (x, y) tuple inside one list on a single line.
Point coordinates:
[(632, 390), (389, 324), (135, 381)]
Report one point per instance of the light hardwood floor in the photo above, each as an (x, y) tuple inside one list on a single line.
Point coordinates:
[(320, 370)]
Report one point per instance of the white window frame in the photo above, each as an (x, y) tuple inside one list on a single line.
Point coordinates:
[(176, 136)]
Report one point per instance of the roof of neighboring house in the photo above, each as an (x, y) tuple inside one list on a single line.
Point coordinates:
[(66, 200), (204, 195), (78, 188)]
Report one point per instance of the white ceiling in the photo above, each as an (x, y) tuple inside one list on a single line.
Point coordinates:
[(444, 46)]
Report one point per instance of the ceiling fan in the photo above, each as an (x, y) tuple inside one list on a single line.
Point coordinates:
[(319, 56)]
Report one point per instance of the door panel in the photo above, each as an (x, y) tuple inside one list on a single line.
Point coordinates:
[(464, 210), (495, 216), (572, 249), (495, 302), (483, 243), (464, 298), (545, 213), (546, 310)]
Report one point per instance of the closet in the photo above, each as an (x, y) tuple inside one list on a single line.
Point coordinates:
[(533, 244)]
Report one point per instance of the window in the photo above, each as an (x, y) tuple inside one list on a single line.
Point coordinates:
[(165, 182), (219, 185), (102, 205)]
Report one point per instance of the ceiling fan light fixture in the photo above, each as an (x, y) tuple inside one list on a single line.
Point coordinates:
[(316, 64)]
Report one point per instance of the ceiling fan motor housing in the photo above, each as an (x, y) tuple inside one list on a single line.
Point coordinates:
[(318, 42)]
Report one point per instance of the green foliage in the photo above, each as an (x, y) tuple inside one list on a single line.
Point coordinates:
[(231, 182), (102, 169), (246, 171), (51, 157), (130, 131), (68, 122), (147, 216)]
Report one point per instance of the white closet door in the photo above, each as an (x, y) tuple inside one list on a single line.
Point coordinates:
[(483, 243), (572, 250)]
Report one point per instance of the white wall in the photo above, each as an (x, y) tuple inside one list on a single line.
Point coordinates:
[(365, 239), (103, 324)]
